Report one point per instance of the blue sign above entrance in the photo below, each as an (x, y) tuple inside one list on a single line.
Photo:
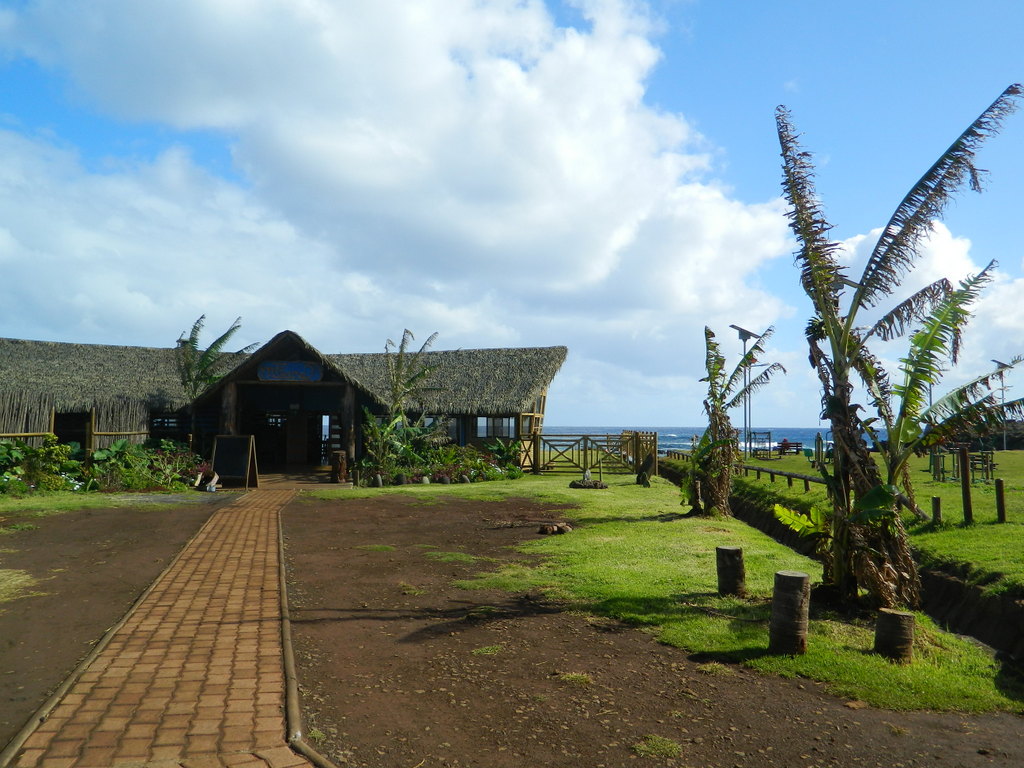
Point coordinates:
[(289, 370)]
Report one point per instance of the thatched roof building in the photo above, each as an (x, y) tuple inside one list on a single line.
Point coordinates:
[(299, 401)]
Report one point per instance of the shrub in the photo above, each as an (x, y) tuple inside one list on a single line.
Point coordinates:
[(442, 463), (49, 467), (12, 453), (125, 466)]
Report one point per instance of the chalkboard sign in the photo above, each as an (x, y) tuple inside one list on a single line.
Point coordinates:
[(234, 458)]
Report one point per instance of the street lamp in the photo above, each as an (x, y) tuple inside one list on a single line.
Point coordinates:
[(746, 336), (1002, 394)]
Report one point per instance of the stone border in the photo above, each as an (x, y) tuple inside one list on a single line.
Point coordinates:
[(293, 709)]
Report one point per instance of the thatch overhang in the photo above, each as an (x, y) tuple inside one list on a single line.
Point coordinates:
[(467, 382)]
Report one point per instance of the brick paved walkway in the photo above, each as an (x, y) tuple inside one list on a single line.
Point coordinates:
[(195, 676)]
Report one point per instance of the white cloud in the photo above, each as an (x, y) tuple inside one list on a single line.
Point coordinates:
[(997, 325), (466, 167)]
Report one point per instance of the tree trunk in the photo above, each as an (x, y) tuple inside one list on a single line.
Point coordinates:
[(716, 485), (791, 600), (876, 555), (732, 577), (894, 635)]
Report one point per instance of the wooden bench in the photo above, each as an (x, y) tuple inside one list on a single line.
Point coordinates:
[(795, 448)]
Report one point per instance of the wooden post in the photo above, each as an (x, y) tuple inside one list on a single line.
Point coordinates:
[(789, 481), (894, 635), (771, 476), (90, 431), (791, 600), (536, 453), (349, 425), (965, 485), (936, 510), (1000, 501), (732, 575), (807, 485), (229, 409)]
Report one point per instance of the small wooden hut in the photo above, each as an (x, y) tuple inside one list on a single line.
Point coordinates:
[(299, 403)]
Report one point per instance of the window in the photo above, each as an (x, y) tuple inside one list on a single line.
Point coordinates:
[(500, 426), (166, 422)]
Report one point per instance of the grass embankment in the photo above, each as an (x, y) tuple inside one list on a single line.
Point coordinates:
[(984, 552), (633, 558)]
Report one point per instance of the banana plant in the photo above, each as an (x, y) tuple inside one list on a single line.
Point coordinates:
[(714, 455), (407, 373), (870, 547), (912, 425)]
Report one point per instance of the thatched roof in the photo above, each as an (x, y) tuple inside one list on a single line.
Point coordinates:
[(467, 381), (76, 377)]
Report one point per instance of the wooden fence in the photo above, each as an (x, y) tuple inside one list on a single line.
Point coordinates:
[(759, 470), (619, 454), (94, 438)]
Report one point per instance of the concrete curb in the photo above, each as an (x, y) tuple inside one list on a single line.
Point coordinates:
[(293, 709)]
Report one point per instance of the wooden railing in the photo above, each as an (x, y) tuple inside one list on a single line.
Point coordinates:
[(618, 454), (759, 470), (790, 476), (91, 433)]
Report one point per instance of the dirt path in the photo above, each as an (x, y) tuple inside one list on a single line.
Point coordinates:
[(89, 567), (401, 669)]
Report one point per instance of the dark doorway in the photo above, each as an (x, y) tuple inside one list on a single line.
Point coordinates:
[(295, 425), (293, 438), (72, 428)]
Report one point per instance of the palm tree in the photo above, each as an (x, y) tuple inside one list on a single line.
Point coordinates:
[(407, 373), (199, 368), (715, 453), (396, 438), (869, 543)]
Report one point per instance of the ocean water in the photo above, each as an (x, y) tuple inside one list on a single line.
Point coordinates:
[(680, 438)]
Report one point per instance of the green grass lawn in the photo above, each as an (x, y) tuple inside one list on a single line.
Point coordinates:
[(42, 504), (634, 558), (986, 551)]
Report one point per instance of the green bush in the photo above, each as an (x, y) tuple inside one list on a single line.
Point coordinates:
[(49, 467), (123, 466), (12, 453), (440, 463)]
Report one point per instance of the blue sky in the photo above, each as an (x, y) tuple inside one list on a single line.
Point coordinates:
[(603, 175)]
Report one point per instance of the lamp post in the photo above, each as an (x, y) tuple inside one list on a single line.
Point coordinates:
[(1002, 394), (745, 336)]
